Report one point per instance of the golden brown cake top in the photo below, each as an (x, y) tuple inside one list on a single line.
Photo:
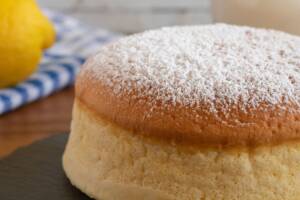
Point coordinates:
[(213, 84)]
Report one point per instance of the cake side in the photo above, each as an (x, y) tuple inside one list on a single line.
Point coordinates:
[(105, 161)]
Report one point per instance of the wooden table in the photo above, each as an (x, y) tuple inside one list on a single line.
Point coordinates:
[(35, 121)]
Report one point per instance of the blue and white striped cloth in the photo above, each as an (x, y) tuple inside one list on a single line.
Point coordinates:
[(59, 65)]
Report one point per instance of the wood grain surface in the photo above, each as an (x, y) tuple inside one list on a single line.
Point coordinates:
[(49, 116)]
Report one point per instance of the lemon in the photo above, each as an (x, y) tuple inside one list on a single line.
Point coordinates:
[(24, 33)]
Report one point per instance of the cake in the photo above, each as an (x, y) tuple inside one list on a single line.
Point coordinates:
[(189, 113)]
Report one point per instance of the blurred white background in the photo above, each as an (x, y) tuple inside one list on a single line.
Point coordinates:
[(130, 16)]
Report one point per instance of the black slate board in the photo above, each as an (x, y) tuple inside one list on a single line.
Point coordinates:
[(35, 173)]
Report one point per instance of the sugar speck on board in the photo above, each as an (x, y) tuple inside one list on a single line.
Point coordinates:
[(214, 64)]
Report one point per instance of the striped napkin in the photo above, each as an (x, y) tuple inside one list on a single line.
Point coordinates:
[(59, 65)]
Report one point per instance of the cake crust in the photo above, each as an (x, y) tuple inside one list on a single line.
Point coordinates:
[(253, 104)]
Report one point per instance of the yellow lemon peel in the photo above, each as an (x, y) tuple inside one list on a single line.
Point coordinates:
[(24, 33)]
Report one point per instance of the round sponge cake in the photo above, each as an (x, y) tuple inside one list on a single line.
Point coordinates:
[(189, 113)]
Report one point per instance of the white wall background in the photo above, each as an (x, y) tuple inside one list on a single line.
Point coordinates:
[(133, 15)]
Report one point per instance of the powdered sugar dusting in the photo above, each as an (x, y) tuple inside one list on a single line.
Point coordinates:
[(215, 64)]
